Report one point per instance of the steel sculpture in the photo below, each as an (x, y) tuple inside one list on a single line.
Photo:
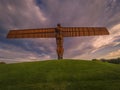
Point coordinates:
[(59, 33)]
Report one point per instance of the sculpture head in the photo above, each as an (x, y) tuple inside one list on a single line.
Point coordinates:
[(58, 25)]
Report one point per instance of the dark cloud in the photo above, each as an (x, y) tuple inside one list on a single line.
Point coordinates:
[(19, 14)]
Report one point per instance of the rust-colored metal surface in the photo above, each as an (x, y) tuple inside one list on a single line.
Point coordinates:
[(59, 33), (32, 33), (84, 31)]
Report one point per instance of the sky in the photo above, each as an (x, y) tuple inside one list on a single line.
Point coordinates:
[(25, 14)]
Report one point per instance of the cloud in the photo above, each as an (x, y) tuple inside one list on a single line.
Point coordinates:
[(113, 54), (18, 15), (13, 53), (47, 13), (110, 43), (76, 13), (95, 13)]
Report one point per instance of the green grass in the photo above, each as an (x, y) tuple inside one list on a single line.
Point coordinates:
[(60, 75)]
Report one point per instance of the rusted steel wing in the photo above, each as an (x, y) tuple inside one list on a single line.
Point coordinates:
[(59, 33), (84, 31), (32, 33)]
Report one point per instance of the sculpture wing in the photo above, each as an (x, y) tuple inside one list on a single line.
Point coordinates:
[(32, 33), (84, 31)]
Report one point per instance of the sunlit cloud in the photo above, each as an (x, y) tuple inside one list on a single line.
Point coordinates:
[(113, 54), (31, 14)]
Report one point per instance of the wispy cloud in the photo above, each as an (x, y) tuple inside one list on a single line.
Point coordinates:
[(46, 13), (113, 54)]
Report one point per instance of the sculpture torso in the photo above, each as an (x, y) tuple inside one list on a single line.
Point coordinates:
[(59, 42), (59, 37)]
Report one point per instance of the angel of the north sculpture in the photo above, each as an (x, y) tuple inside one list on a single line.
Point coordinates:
[(59, 33)]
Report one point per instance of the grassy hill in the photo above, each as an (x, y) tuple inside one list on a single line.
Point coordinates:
[(60, 75)]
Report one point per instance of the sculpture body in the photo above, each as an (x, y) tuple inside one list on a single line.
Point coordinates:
[(59, 42), (59, 33)]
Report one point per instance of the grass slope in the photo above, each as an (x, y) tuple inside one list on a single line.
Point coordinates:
[(60, 75)]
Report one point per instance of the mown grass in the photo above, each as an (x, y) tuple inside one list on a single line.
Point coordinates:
[(60, 75)]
